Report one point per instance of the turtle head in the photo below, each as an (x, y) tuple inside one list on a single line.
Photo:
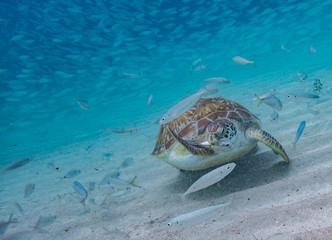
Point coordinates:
[(221, 132)]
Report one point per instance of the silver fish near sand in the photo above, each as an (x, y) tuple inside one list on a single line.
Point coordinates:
[(242, 61), (186, 103), (73, 173), (269, 99), (117, 183), (274, 116), (299, 131), (217, 80), (127, 162), (123, 131), (82, 192), (194, 215), (17, 164), (29, 189), (211, 178), (303, 97)]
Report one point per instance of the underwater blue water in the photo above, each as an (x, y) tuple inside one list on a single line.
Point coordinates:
[(54, 53), (71, 69)]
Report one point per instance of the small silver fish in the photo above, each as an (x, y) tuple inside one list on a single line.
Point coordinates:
[(197, 61), (299, 131), (82, 104), (29, 189), (200, 68), (274, 116), (211, 178), (303, 97), (44, 221), (303, 76), (17, 164), (73, 173), (194, 215), (127, 162), (242, 61), (117, 183), (80, 190), (186, 103), (150, 100), (124, 131), (130, 75), (269, 99), (218, 80), (283, 47), (312, 50)]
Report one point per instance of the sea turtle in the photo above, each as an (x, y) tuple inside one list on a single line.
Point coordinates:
[(212, 132)]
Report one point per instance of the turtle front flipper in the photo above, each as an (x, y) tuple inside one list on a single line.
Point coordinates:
[(192, 146), (268, 140)]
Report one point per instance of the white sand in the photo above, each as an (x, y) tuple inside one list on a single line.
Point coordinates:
[(266, 202)]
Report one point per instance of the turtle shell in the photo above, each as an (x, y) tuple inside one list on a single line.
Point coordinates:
[(194, 121)]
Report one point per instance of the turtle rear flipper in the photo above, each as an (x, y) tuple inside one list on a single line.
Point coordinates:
[(268, 140), (193, 146)]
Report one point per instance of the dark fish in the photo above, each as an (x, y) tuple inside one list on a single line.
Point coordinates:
[(29, 189), (73, 173), (124, 131), (80, 190), (107, 156), (4, 225), (89, 148), (127, 162), (17, 164), (45, 221)]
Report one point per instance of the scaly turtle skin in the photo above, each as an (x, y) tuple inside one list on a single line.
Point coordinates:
[(213, 132)]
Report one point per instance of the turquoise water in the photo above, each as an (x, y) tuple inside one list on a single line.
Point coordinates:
[(57, 52), (112, 55)]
